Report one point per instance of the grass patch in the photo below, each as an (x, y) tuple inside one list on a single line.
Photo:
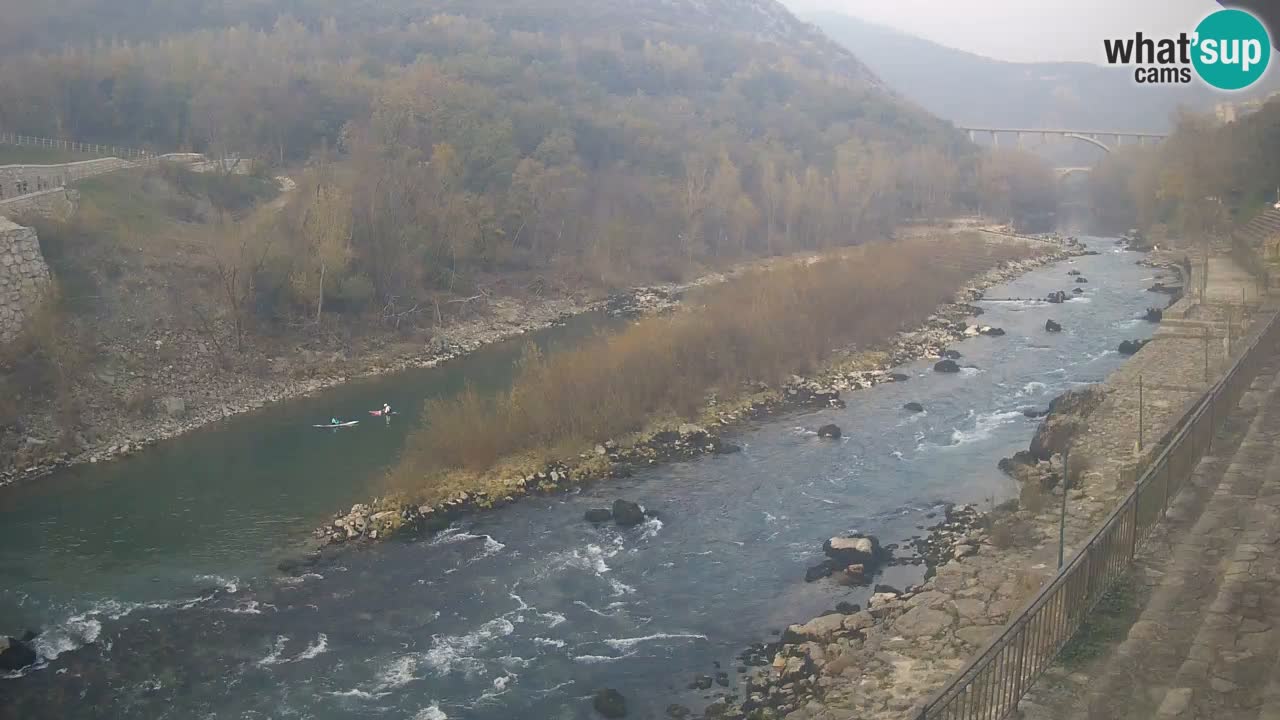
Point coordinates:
[(226, 192), (1106, 625), (25, 155), (759, 327)]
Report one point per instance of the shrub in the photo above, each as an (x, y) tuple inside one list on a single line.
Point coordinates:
[(761, 326)]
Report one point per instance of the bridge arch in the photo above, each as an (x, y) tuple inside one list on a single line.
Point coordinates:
[(1090, 140)]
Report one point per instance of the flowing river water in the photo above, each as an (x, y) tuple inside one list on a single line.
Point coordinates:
[(153, 578)]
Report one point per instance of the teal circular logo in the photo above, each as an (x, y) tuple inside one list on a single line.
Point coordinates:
[(1232, 49)]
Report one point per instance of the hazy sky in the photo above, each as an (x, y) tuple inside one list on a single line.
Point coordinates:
[(1024, 30)]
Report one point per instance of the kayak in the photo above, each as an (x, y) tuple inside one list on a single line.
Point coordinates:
[(349, 423)]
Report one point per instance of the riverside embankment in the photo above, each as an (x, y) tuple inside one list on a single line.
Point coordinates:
[(525, 610), (882, 662)]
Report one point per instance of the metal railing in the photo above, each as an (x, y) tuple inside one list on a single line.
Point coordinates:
[(127, 153), (995, 679)]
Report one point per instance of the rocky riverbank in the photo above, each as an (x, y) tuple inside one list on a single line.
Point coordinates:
[(183, 393), (853, 369), (168, 382), (881, 661)]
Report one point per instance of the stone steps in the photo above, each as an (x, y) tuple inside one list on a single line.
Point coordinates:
[(1225, 673)]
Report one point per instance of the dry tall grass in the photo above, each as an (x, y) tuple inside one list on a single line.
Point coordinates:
[(760, 327)]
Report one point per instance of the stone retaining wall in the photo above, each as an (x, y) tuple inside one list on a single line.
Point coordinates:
[(23, 276), (16, 180), (56, 203)]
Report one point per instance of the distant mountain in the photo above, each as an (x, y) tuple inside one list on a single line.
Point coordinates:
[(970, 89)]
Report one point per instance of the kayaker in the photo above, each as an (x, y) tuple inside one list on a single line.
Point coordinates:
[(333, 421), (386, 408)]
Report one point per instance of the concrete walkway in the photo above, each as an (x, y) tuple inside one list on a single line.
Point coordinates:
[(1205, 642)]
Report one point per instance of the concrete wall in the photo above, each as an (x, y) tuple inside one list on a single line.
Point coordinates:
[(18, 180), (23, 276)]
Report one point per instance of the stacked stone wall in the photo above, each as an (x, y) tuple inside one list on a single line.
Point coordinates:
[(23, 277), (17, 180)]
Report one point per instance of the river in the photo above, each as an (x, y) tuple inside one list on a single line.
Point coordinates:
[(162, 565)]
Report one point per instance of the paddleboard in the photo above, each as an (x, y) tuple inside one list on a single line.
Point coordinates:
[(339, 425)]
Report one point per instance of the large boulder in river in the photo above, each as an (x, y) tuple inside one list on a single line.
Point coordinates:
[(1154, 315), (946, 366), (1052, 326), (15, 654), (627, 513), (1022, 467), (829, 431), (952, 354), (1082, 280), (862, 550), (609, 703), (819, 629), (914, 407), (1057, 297), (1067, 413)]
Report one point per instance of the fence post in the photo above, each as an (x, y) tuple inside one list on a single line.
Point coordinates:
[(1137, 503), (1206, 354), (1213, 422), (1140, 413), (1062, 518)]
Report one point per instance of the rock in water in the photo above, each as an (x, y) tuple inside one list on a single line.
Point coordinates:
[(1052, 326), (951, 354), (609, 703), (627, 514), (946, 366), (829, 431), (913, 407), (598, 515), (899, 377), (861, 550), (818, 572), (993, 331), (1131, 347), (1066, 417), (1082, 280), (1077, 291), (15, 654), (1057, 297), (1154, 315), (1073, 272)]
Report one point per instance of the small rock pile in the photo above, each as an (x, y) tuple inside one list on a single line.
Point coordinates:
[(642, 301), (956, 536)]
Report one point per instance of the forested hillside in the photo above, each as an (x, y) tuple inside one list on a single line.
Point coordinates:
[(630, 139), (1201, 180), (968, 88)]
